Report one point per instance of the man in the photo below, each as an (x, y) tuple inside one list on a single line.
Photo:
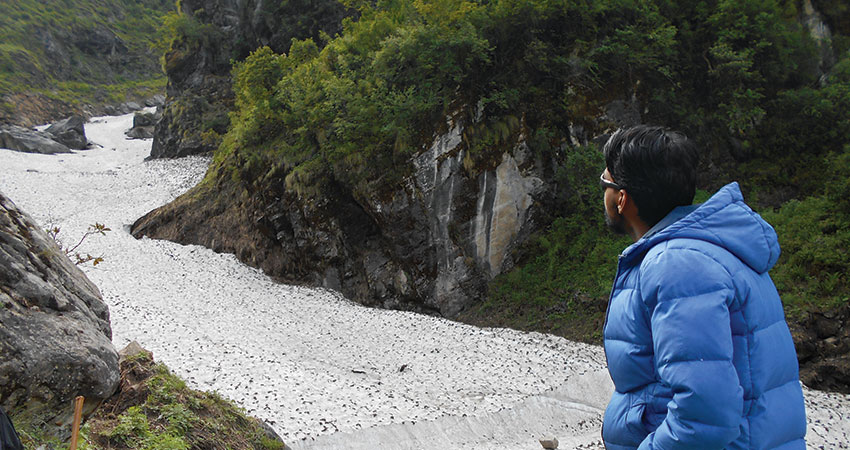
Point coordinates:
[(695, 334)]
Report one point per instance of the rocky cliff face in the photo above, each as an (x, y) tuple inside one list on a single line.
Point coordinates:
[(64, 48), (55, 337), (430, 245), (199, 92), (460, 229), (820, 32)]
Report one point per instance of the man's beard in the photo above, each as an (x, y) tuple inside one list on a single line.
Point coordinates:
[(615, 224)]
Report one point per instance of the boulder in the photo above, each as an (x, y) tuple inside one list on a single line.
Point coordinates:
[(124, 108), (156, 100), (70, 132), (130, 107), (139, 133), (55, 338), (549, 444), (133, 349), (145, 119), (25, 140), (110, 110), (143, 125)]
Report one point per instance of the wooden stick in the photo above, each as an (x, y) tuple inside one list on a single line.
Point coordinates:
[(78, 415)]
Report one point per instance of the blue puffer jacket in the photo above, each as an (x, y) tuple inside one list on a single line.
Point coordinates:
[(696, 339)]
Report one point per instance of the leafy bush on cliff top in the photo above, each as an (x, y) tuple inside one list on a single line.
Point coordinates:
[(359, 106), (377, 93)]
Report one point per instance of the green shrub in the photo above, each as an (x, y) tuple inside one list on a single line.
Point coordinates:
[(180, 419), (811, 273), (164, 441), (132, 428), (164, 386), (181, 30)]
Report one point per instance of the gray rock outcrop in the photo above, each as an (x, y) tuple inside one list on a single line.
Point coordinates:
[(98, 41), (70, 132), (26, 140), (157, 100), (55, 337), (820, 33)]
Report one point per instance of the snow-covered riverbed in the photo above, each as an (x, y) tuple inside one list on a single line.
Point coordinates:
[(324, 372)]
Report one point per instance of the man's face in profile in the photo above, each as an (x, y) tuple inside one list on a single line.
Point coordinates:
[(613, 219)]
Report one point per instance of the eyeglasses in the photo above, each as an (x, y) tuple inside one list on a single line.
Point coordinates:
[(605, 184)]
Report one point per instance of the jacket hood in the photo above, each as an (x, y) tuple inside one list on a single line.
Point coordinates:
[(726, 221)]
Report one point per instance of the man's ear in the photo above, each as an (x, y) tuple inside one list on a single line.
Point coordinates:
[(623, 200)]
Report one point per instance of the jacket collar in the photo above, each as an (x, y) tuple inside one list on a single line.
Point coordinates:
[(671, 218)]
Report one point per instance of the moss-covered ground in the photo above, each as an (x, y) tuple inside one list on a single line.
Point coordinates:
[(155, 410)]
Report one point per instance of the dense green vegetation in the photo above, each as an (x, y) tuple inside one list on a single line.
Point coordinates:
[(78, 52), (814, 233), (156, 411), (766, 102)]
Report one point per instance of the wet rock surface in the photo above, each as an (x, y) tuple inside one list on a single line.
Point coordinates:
[(55, 338)]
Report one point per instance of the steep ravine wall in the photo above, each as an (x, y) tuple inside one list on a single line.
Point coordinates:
[(431, 246)]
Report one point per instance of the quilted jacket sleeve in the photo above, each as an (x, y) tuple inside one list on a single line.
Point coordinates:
[(688, 295)]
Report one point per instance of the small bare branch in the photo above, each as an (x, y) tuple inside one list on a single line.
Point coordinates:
[(70, 252)]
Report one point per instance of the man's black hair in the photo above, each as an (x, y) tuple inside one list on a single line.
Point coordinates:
[(657, 167)]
